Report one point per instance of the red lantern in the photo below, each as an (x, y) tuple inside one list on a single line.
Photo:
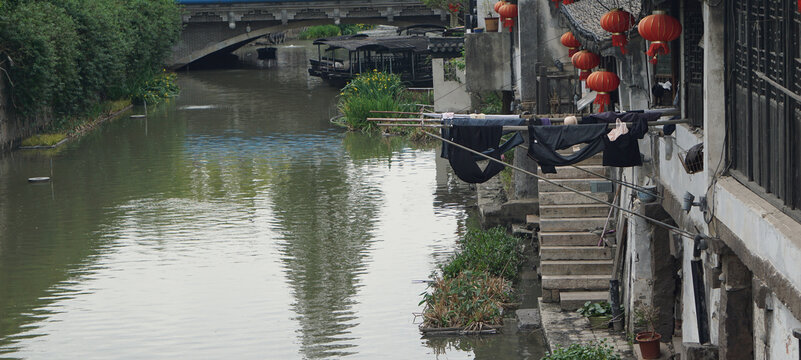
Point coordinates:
[(603, 82), (617, 22), (570, 42), (498, 5), (509, 13), (585, 61), (659, 28)]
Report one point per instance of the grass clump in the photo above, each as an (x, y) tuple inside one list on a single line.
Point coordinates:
[(599, 350), (493, 251), (44, 139), (371, 91), (471, 299), (476, 283)]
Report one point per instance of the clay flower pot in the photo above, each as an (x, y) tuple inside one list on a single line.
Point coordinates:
[(491, 24), (649, 344)]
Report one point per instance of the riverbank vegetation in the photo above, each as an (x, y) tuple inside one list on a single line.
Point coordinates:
[(376, 91), (66, 57), (323, 31), (475, 285)]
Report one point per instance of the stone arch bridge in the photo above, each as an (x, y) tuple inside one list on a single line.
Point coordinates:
[(224, 25)]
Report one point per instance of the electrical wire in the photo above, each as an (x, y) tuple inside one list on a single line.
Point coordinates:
[(652, 220)]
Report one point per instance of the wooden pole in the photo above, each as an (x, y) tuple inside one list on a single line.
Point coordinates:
[(524, 128)]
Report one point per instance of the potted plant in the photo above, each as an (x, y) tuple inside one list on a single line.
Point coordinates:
[(648, 340), (598, 313), (490, 21)]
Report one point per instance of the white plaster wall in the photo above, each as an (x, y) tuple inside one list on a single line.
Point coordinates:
[(766, 232), (449, 96), (689, 322), (773, 337)]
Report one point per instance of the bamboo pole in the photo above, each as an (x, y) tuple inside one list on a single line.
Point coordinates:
[(524, 128), (663, 224)]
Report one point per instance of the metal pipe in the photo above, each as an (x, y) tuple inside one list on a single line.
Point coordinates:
[(663, 224), (697, 269)]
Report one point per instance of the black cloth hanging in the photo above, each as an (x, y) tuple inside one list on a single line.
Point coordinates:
[(545, 140), (625, 151), (484, 139), (466, 121)]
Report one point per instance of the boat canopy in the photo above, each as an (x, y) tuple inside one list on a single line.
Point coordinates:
[(417, 44)]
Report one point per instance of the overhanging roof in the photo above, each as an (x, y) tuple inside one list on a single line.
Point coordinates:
[(384, 43)]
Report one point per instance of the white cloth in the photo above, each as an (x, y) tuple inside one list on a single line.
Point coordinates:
[(620, 129)]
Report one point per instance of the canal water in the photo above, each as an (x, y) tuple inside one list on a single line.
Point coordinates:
[(233, 222)]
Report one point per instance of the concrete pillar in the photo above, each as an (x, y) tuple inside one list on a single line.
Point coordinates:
[(525, 186), (714, 88), (736, 310), (528, 39), (663, 271), (696, 351)]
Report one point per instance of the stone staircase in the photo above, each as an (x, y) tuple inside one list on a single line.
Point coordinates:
[(573, 268)]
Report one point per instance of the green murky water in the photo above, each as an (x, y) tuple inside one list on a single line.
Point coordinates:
[(234, 222)]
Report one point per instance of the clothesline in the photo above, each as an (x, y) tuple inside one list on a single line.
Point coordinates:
[(655, 221), (671, 111), (519, 128)]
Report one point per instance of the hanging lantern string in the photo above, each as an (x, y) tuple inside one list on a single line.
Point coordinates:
[(657, 222)]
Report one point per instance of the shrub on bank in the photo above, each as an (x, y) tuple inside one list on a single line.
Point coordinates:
[(475, 283), (599, 350), (470, 299), (371, 91), (324, 31), (70, 54), (493, 251)]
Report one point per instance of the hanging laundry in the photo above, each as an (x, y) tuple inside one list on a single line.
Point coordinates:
[(625, 150), (620, 129), (484, 139), (544, 141), (467, 121)]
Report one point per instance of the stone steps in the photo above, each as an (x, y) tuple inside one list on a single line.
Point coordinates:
[(575, 253), (563, 238), (572, 300), (575, 282), (571, 198), (572, 224), (569, 172), (576, 267), (576, 184), (572, 211)]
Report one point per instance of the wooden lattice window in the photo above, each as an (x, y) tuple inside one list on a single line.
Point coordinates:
[(764, 115)]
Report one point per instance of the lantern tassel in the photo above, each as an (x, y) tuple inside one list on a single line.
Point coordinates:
[(556, 2), (620, 41), (657, 47), (584, 74), (566, 2), (603, 99), (508, 23), (573, 51)]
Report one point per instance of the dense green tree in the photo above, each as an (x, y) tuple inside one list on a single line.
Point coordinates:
[(70, 54)]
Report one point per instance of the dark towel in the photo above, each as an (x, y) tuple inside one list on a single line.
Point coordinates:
[(545, 140), (625, 151), (484, 139)]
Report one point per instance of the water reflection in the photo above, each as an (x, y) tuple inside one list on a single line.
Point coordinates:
[(234, 222)]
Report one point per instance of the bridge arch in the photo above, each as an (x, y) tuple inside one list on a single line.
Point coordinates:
[(211, 28)]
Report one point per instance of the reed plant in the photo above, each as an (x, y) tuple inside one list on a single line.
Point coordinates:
[(371, 91)]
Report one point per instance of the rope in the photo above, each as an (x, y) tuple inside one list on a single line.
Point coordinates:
[(657, 222)]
